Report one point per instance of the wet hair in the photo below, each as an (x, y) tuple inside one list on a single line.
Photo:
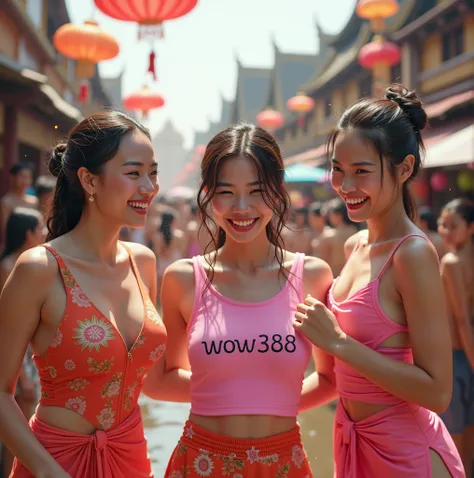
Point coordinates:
[(245, 139), (463, 207), (20, 221), (45, 184), (167, 219), (427, 215), (393, 127), (17, 168), (315, 209), (90, 144)]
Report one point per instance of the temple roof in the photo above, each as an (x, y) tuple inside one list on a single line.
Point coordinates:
[(290, 73), (343, 48), (168, 133), (252, 93)]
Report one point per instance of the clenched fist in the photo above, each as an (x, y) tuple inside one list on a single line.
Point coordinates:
[(318, 324)]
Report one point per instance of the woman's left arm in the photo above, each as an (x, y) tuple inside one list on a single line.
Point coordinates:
[(319, 387), (428, 381)]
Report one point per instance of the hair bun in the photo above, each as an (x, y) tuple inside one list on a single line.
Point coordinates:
[(56, 160), (409, 103)]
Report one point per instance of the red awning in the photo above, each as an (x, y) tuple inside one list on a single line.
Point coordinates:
[(437, 109)]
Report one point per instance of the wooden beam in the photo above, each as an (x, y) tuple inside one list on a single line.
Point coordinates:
[(19, 98)]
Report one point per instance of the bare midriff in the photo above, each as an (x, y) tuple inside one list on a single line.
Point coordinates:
[(244, 426), (358, 411), (64, 419)]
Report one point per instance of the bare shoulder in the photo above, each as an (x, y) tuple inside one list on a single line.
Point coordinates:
[(36, 266), (353, 240), (328, 233), (146, 261), (316, 268), (142, 254), (415, 255), (451, 260), (180, 274), (317, 278), (32, 200), (451, 264)]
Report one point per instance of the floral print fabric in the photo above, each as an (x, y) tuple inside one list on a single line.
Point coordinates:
[(201, 453), (87, 367)]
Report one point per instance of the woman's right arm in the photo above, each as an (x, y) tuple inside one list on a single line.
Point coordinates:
[(451, 274), (21, 301), (170, 378)]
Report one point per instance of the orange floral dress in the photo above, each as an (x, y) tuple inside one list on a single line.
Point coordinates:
[(88, 369)]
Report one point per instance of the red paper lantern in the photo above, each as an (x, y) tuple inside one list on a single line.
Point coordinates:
[(143, 100), (379, 52), (379, 56), (377, 11), (149, 14), (88, 44), (300, 104), (439, 181), (270, 119)]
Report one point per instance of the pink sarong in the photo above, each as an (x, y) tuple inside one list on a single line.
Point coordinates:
[(117, 453), (393, 443)]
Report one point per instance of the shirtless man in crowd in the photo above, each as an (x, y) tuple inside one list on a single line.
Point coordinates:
[(297, 235), (330, 246)]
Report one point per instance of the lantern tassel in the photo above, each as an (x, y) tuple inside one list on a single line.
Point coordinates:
[(83, 92), (151, 67), (301, 120)]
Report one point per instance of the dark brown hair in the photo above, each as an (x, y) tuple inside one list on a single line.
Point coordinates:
[(393, 126), (90, 144), (255, 143), (462, 206)]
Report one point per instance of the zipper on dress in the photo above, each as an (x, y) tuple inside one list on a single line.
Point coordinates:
[(124, 383)]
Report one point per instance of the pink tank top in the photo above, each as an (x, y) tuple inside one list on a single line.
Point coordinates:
[(246, 358), (362, 318)]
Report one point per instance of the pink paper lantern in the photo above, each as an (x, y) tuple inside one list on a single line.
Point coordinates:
[(439, 181)]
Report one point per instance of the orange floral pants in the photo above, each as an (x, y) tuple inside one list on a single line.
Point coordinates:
[(201, 453)]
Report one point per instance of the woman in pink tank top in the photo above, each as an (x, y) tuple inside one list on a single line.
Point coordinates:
[(229, 316), (386, 321)]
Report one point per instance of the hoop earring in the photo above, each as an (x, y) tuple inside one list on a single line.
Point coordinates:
[(91, 198)]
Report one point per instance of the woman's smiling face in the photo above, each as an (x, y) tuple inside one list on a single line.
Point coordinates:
[(238, 205), (356, 175)]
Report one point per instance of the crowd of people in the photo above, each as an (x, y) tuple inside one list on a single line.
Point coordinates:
[(111, 289)]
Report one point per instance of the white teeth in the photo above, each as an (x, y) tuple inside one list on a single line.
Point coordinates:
[(243, 223), (140, 205), (355, 201)]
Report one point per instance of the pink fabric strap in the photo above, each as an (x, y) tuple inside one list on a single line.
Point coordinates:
[(395, 249)]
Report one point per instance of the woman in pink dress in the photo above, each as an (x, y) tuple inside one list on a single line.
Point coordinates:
[(386, 322)]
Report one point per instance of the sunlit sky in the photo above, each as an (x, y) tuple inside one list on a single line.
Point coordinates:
[(196, 61)]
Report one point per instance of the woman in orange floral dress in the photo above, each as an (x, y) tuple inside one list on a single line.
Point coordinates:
[(84, 303)]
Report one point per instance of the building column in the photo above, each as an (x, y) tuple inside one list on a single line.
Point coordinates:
[(10, 144)]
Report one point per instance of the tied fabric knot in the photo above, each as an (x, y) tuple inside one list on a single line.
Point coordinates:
[(100, 440), (348, 432)]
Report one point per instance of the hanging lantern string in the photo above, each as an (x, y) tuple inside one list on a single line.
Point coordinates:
[(152, 59)]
